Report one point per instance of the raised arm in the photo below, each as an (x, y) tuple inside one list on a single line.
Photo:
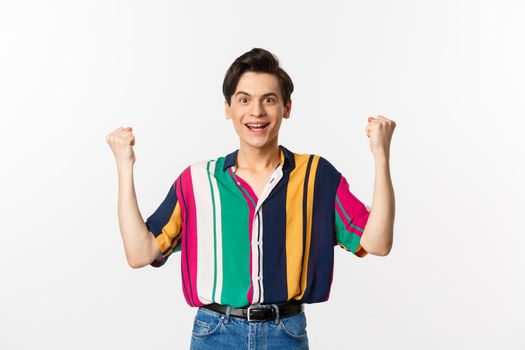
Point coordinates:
[(377, 238), (139, 243)]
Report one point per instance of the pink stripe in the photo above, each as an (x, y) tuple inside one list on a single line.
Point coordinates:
[(353, 207), (189, 255), (345, 220), (342, 215), (247, 188), (185, 282)]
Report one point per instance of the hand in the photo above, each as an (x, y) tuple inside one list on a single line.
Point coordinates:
[(380, 131), (121, 142)]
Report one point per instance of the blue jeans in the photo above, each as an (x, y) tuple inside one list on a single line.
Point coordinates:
[(213, 330)]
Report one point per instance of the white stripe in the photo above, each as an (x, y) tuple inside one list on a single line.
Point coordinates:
[(204, 214), (218, 230), (261, 293)]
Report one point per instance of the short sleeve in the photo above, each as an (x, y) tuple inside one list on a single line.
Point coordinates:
[(165, 224), (351, 216)]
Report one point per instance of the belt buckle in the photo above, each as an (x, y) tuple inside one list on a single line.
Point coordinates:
[(248, 312), (258, 306)]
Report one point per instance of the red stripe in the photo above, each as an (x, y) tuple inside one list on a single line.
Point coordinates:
[(189, 255), (353, 207)]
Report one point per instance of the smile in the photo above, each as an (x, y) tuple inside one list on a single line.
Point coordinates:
[(256, 127)]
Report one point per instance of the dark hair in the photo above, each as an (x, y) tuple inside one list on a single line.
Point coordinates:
[(260, 61)]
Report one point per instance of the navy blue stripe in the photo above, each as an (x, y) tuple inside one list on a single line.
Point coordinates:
[(274, 248), (156, 221)]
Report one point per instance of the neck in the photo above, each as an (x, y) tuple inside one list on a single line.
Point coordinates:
[(255, 158)]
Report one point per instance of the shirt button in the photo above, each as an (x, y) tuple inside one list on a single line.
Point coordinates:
[(259, 243), (259, 277), (238, 183)]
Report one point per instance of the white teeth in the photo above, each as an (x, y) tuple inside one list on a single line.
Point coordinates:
[(255, 125)]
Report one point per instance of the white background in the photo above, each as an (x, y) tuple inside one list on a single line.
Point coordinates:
[(450, 73)]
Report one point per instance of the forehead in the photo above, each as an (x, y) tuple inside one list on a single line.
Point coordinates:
[(258, 83)]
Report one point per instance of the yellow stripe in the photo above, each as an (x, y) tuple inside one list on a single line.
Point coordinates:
[(309, 209), (294, 224), (171, 231), (360, 251)]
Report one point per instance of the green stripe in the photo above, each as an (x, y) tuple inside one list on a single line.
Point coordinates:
[(348, 218), (235, 239), (214, 234), (344, 237)]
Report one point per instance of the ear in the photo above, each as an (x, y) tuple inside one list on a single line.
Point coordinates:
[(227, 109), (287, 109)]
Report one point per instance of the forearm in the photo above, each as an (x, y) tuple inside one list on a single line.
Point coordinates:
[(135, 234), (378, 234)]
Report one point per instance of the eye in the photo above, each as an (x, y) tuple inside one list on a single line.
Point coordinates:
[(243, 100), (269, 99)]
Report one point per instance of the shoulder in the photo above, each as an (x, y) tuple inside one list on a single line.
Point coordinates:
[(202, 166), (328, 166), (319, 172), (320, 162), (323, 170), (191, 174)]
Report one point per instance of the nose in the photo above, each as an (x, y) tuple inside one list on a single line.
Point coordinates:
[(256, 109)]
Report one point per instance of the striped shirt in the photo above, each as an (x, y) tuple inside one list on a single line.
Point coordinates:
[(237, 249)]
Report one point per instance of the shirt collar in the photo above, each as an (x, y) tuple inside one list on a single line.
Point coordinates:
[(286, 155)]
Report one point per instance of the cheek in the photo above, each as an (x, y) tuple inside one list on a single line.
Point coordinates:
[(277, 122), (237, 124)]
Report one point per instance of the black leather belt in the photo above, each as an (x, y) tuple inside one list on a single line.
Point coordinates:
[(259, 312)]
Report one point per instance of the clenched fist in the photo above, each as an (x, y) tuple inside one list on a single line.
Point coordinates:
[(121, 142), (380, 131)]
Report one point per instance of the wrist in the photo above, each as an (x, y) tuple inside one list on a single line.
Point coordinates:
[(124, 166), (381, 156)]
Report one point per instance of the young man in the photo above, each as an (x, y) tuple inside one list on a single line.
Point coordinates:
[(257, 227)]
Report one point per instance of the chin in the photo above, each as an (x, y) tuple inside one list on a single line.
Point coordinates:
[(257, 143)]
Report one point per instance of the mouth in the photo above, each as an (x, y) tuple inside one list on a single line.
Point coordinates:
[(257, 127)]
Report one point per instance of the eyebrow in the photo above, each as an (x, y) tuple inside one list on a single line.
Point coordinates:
[(266, 94)]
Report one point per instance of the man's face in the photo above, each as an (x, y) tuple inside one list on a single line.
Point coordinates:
[(257, 109)]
